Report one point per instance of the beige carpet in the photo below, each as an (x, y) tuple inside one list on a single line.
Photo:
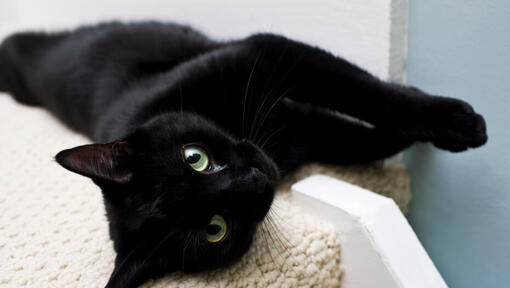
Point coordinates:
[(53, 232)]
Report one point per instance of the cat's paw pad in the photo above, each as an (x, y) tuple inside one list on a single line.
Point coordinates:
[(459, 130)]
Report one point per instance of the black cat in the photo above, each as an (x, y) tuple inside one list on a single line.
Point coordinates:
[(197, 132)]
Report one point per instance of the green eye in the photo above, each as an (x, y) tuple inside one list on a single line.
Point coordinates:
[(216, 229), (196, 157)]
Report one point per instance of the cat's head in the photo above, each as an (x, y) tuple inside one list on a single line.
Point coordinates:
[(179, 192)]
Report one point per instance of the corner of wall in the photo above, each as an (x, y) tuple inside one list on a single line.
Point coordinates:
[(398, 40)]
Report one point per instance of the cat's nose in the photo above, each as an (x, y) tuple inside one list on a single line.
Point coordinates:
[(253, 180), (252, 155), (255, 175)]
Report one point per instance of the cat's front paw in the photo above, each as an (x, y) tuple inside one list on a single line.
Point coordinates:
[(457, 127)]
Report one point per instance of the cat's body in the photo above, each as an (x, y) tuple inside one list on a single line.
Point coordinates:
[(257, 105)]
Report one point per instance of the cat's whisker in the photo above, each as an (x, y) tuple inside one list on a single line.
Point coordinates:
[(277, 86), (268, 112), (246, 95), (270, 230), (157, 246), (261, 102), (266, 223), (268, 248), (276, 220), (281, 219), (251, 115), (277, 244), (117, 268), (266, 137), (267, 101), (273, 134), (274, 69), (198, 244), (273, 148), (255, 123), (277, 234), (187, 242), (283, 231)]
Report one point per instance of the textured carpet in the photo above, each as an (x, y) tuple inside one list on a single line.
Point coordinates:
[(53, 232)]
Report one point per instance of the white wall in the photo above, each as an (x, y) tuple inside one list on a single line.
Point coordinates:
[(359, 30)]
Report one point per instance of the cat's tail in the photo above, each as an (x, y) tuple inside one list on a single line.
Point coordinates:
[(19, 57)]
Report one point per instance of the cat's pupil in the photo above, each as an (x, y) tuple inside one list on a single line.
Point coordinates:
[(193, 158), (213, 229)]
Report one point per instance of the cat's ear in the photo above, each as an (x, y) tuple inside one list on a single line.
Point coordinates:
[(110, 161), (135, 269)]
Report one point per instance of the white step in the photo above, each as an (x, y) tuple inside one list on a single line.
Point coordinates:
[(379, 247)]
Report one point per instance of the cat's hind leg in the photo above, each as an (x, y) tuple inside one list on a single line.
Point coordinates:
[(19, 57)]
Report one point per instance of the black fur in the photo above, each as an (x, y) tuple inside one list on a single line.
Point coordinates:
[(261, 106)]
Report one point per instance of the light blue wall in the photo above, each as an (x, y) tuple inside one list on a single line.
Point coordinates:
[(461, 204)]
